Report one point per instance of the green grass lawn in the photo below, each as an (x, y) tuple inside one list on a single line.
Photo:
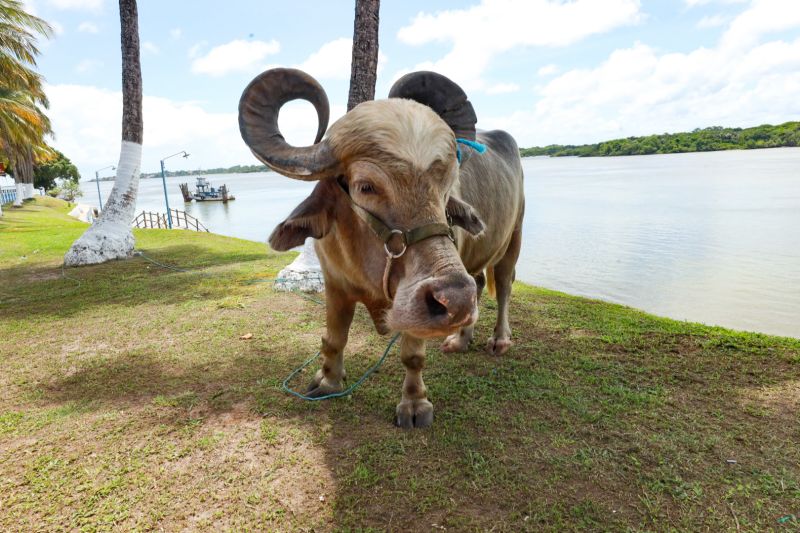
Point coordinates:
[(129, 401)]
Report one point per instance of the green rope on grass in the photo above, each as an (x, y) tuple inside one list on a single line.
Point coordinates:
[(347, 392), (162, 265), (285, 386)]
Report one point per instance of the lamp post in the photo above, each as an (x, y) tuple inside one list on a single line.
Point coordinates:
[(97, 181), (164, 182)]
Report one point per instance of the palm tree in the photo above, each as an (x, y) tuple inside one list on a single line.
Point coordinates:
[(305, 272), (111, 236), (364, 66), (23, 124)]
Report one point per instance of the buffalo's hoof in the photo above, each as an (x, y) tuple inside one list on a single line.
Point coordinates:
[(320, 386), (498, 346), (457, 342), (414, 414)]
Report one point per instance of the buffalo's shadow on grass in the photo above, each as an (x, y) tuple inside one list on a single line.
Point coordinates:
[(190, 272), (582, 426)]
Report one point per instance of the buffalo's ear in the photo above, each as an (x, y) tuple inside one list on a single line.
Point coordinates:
[(312, 218), (464, 215)]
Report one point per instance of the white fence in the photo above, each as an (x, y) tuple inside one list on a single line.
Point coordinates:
[(8, 194)]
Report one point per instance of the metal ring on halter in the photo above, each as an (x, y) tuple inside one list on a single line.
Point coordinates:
[(386, 244)]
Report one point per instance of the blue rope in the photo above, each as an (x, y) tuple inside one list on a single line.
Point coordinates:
[(349, 390), (478, 147)]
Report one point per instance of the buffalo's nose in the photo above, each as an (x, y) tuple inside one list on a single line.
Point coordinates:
[(451, 299)]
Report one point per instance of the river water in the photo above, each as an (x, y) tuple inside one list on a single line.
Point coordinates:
[(707, 237)]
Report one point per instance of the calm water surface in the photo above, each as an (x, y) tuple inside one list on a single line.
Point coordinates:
[(709, 237)]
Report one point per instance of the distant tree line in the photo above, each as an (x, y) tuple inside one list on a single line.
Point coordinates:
[(236, 169), (699, 140)]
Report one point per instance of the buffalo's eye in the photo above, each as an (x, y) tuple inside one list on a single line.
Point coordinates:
[(364, 188)]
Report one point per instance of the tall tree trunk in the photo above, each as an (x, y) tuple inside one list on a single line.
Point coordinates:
[(364, 66), (305, 273), (23, 175), (110, 237), (20, 193)]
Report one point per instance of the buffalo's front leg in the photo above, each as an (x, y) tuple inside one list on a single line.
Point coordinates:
[(414, 410), (330, 377)]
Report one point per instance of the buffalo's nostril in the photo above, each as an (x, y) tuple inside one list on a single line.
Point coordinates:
[(436, 303)]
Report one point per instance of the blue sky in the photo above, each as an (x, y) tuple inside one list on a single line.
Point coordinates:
[(548, 71)]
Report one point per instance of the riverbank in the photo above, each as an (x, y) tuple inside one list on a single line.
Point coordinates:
[(129, 400), (712, 139)]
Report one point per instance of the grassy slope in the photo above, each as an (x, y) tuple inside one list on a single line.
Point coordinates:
[(129, 401)]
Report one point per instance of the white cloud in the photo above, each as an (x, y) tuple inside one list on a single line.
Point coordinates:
[(547, 70), (88, 65), (86, 121), (58, 28), (761, 18), (30, 7), (175, 33), (332, 60), (640, 90), (502, 88), (494, 26), (88, 27), (235, 56), (712, 21), (695, 3), (150, 47), (89, 5)]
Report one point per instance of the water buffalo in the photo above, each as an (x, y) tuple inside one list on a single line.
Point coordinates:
[(401, 225)]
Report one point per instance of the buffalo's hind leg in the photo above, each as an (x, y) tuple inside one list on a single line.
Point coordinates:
[(459, 341), (504, 270), (414, 410), (330, 378)]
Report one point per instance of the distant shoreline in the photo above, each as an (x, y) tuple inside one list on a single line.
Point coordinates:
[(714, 139)]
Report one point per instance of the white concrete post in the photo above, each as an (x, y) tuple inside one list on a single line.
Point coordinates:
[(304, 273)]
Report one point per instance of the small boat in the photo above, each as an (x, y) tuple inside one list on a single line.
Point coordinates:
[(204, 192)]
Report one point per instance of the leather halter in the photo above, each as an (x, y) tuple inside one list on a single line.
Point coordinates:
[(406, 238)]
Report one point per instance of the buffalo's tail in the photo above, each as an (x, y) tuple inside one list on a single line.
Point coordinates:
[(490, 286)]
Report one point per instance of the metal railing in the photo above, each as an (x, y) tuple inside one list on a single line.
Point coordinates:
[(180, 220)]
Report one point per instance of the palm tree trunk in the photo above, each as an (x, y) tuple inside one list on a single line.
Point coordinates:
[(305, 273), (110, 237), (20, 194), (364, 66), (23, 175)]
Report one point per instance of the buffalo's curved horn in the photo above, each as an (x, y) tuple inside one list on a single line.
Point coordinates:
[(441, 94), (258, 123)]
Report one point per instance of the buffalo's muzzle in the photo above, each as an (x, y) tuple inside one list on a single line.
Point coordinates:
[(451, 300), (437, 306)]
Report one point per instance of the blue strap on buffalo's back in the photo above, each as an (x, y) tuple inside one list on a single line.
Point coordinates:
[(478, 147)]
